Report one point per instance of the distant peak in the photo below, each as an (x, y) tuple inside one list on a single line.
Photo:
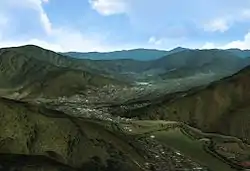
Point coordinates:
[(29, 46), (178, 49)]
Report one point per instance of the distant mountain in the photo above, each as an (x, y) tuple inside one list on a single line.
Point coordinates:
[(32, 71), (240, 53), (177, 49), (107, 68), (135, 54), (221, 107), (142, 54), (191, 62), (33, 137), (179, 64)]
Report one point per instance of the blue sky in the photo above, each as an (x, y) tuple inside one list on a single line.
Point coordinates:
[(107, 25)]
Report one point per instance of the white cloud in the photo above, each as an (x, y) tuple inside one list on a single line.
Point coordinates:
[(155, 16), (168, 31), (246, 13), (109, 7), (3, 20), (224, 23), (65, 39), (73, 40), (208, 45), (167, 43), (35, 5), (153, 40), (219, 24), (57, 38), (3, 24), (43, 16), (240, 44), (41, 43), (46, 22)]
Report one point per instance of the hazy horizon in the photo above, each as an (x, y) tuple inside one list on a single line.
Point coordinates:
[(120, 50), (113, 25)]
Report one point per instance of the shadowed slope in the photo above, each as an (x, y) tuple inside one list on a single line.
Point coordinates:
[(192, 62), (222, 106), (181, 63), (32, 76), (28, 130)]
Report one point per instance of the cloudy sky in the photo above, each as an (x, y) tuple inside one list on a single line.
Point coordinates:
[(107, 25)]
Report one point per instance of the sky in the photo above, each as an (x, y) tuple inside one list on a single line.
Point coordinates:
[(109, 25)]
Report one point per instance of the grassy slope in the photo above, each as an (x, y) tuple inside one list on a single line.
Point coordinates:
[(239, 52), (21, 69), (192, 148), (31, 135), (219, 107), (191, 62), (99, 66), (31, 130), (173, 135), (64, 82), (198, 58), (136, 54), (187, 62)]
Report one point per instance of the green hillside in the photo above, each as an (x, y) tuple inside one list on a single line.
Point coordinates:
[(31, 135), (178, 64), (45, 74), (134, 54), (34, 138), (191, 62), (239, 52), (220, 107)]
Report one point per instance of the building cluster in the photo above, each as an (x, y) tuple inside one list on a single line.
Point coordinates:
[(161, 157)]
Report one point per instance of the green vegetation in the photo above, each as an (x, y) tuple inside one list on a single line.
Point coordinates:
[(57, 140), (32, 130), (192, 148), (141, 54), (177, 63), (135, 54), (221, 107), (33, 75), (193, 143), (32, 135), (240, 53), (191, 62)]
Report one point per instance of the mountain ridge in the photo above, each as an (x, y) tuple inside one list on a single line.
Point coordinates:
[(180, 64), (135, 54), (28, 74), (52, 122), (211, 108)]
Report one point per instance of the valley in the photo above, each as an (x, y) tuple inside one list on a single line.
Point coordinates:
[(185, 110)]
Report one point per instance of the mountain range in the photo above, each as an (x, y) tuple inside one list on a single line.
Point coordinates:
[(135, 54), (30, 71), (33, 69), (240, 53), (142, 54), (148, 64), (52, 118), (177, 63), (220, 107)]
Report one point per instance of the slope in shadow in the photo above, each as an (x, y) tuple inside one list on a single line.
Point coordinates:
[(221, 107), (30, 135)]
